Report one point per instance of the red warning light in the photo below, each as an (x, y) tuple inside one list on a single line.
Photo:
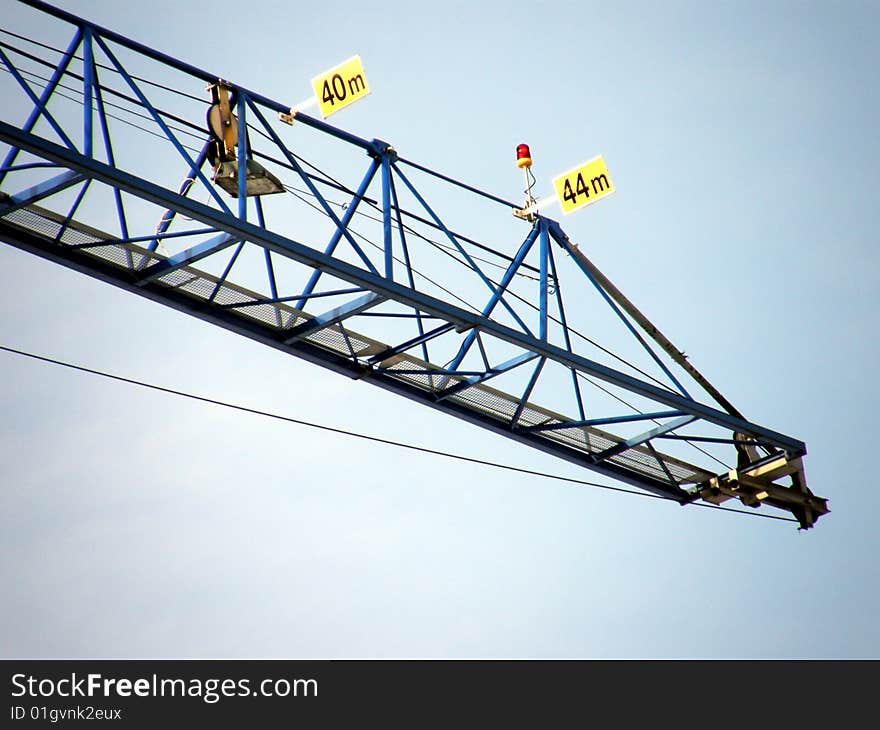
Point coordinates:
[(523, 156)]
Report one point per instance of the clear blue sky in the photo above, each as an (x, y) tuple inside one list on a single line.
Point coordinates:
[(742, 141)]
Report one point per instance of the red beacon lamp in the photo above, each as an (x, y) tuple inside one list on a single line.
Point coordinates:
[(524, 163)]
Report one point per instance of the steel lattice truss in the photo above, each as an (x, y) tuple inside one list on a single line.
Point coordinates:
[(356, 270)]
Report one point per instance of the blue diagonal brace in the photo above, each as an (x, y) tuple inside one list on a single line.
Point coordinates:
[(162, 124), (340, 230), (489, 374), (662, 463), (41, 190), (563, 241), (497, 294), (187, 257), (39, 103), (528, 391), (60, 70), (334, 316), (420, 340), (604, 421), (307, 181), (496, 291), (642, 438)]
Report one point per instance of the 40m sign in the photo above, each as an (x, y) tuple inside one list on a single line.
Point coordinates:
[(340, 86), (583, 185)]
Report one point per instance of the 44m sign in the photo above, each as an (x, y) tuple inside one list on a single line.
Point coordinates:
[(583, 185), (340, 86)]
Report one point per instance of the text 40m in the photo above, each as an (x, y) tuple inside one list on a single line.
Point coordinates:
[(337, 88)]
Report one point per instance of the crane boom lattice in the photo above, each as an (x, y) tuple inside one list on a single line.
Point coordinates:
[(208, 205)]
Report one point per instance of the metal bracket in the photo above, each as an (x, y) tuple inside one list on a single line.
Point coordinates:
[(755, 484), (523, 215)]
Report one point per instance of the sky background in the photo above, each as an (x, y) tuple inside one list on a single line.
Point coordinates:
[(742, 141)]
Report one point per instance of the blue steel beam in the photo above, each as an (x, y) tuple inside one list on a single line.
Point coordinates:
[(514, 421), (644, 437), (44, 97), (497, 294), (186, 68), (456, 316), (292, 161), (108, 146), (161, 122), (37, 192), (662, 463), (542, 282), (473, 264), (39, 103), (491, 372), (648, 327), (386, 214), (567, 336), (72, 212), (605, 421), (343, 225), (88, 87), (292, 298), (189, 256), (401, 230), (229, 265), (241, 155), (334, 316), (563, 242), (148, 239), (423, 338)]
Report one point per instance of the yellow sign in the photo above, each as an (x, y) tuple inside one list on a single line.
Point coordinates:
[(583, 185), (340, 86)]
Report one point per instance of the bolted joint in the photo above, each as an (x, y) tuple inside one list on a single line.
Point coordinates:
[(379, 149)]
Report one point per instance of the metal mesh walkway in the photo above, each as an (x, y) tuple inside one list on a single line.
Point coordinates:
[(209, 291)]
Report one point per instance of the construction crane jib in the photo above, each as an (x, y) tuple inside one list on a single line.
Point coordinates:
[(369, 269)]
